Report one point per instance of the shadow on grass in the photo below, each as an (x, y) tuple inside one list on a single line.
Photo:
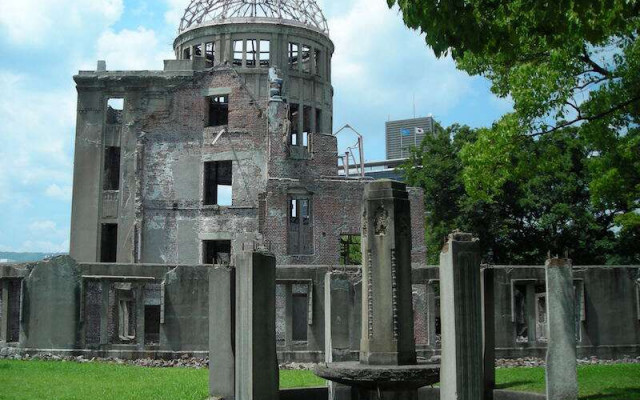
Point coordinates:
[(511, 384), (615, 394)]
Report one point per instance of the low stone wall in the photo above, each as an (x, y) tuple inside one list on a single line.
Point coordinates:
[(312, 311)]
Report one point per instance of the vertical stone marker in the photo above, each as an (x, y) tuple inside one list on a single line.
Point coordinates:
[(561, 372), (256, 374), (387, 320), (461, 373)]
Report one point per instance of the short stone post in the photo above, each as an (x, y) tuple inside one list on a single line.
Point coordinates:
[(387, 304), (222, 338), (461, 373), (489, 336), (561, 371), (256, 373)]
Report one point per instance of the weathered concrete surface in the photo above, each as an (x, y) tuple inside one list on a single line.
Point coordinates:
[(186, 321), (461, 308), (222, 361), (561, 370), (386, 378), (51, 305), (387, 309), (434, 394), (256, 374)]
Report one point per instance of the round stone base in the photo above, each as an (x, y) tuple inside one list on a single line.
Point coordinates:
[(381, 377)]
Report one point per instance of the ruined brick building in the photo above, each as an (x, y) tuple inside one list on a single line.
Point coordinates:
[(230, 147), (189, 164)]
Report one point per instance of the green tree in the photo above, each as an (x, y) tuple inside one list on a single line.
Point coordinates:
[(566, 63), (543, 207)]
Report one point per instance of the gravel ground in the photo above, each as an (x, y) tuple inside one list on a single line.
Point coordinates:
[(198, 363)]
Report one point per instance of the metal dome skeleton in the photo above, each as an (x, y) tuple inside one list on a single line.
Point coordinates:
[(306, 12)]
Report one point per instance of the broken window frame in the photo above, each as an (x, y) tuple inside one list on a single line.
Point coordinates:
[(349, 244), (198, 51), (294, 119), (213, 180), (217, 110), (210, 53), (264, 55), (252, 53), (294, 55), (317, 58), (238, 52), (306, 58), (213, 252), (300, 224)]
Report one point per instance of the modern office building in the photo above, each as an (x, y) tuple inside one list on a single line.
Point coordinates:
[(401, 135)]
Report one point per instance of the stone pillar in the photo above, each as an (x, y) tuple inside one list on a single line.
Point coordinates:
[(489, 337), (387, 305), (4, 312), (461, 318), (336, 326), (256, 372), (139, 293), (104, 313), (222, 333), (561, 371)]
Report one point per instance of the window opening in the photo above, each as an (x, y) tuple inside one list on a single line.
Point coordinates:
[(300, 226), (541, 313), (126, 318), (299, 312), (210, 53), (252, 52), (306, 59), (218, 110), (316, 62), (265, 53), (318, 120), (111, 173), (521, 321), (218, 183), (152, 324), (197, 50), (350, 250), (186, 53), (306, 119), (237, 52), (216, 252), (294, 119), (294, 52), (109, 243), (115, 109)]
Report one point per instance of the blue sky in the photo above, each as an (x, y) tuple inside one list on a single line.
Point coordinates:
[(378, 68)]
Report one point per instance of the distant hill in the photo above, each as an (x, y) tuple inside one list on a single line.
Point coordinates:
[(25, 257)]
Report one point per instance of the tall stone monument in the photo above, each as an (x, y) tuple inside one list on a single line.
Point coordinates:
[(387, 318), (387, 367)]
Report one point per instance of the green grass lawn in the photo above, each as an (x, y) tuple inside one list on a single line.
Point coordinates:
[(27, 380)]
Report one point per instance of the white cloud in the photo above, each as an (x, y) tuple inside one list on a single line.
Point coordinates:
[(58, 192), (132, 49), (175, 11), (36, 22), (37, 132)]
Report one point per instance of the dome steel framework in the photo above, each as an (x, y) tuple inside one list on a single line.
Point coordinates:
[(306, 12)]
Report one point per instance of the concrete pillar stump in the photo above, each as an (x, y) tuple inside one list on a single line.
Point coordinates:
[(461, 373), (222, 361), (561, 371)]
